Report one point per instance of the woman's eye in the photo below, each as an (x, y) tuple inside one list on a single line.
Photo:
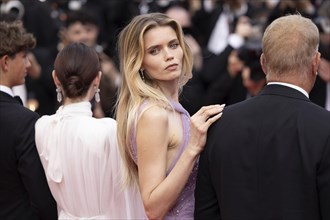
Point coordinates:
[(154, 51), (174, 45)]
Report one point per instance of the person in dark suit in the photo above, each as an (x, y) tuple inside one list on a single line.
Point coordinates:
[(269, 156), (24, 192), (320, 93)]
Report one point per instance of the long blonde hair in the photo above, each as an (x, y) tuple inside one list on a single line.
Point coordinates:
[(134, 90)]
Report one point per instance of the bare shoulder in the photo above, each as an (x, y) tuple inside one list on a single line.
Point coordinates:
[(154, 113), (153, 128)]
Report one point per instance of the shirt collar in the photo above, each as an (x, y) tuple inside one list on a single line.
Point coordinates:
[(291, 86), (7, 90)]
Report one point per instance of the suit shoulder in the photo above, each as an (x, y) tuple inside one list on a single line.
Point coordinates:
[(314, 109), (317, 114), (22, 114)]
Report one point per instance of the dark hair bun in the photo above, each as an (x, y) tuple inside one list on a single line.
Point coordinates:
[(76, 67), (75, 86)]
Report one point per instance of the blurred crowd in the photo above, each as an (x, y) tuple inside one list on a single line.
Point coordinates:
[(224, 35)]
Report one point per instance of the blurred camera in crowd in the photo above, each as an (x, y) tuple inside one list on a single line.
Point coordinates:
[(250, 52), (13, 8)]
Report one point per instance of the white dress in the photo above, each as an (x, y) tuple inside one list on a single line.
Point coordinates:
[(83, 166)]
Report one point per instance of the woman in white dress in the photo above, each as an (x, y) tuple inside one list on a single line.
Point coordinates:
[(79, 153)]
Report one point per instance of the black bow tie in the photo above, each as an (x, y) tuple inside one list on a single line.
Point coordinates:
[(18, 99)]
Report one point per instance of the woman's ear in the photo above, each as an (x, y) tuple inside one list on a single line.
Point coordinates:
[(55, 79), (96, 81)]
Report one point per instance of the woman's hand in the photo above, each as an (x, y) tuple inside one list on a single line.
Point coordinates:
[(200, 123)]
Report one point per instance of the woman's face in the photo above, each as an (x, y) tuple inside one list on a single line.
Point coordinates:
[(163, 54)]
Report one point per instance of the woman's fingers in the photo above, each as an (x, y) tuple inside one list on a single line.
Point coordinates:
[(216, 109), (211, 120), (206, 116), (207, 112), (200, 123)]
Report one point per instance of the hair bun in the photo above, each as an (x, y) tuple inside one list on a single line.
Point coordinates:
[(75, 86)]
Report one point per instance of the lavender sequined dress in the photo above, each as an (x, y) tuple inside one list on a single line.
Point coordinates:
[(184, 207)]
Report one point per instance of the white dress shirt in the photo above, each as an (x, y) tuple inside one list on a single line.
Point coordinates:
[(291, 86), (20, 91), (221, 36), (7, 90), (83, 165)]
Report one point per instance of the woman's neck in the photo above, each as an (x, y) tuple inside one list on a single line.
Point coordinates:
[(170, 90), (68, 101)]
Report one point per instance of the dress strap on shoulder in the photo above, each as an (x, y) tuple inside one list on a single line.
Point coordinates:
[(185, 118)]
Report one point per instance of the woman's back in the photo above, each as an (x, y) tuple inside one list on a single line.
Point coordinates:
[(83, 165)]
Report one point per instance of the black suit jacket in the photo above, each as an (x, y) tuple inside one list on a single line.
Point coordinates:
[(24, 192), (267, 158)]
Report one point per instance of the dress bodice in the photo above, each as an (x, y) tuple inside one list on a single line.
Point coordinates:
[(184, 207)]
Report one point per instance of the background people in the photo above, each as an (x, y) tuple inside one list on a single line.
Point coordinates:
[(268, 158), (192, 93), (320, 93), (242, 79), (24, 192), (159, 141), (79, 152)]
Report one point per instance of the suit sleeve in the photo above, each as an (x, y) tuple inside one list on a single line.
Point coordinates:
[(206, 203), (219, 90), (31, 170), (323, 179), (215, 65)]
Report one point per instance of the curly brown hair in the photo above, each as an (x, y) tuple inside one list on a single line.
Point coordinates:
[(14, 38)]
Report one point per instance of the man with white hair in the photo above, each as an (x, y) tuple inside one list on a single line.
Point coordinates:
[(269, 157)]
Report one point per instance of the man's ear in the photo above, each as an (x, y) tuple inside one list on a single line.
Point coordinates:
[(55, 79), (316, 63), (4, 63), (263, 63)]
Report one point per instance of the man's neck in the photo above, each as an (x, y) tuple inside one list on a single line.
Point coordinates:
[(303, 91)]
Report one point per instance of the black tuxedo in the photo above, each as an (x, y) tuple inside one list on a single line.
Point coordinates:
[(267, 158), (24, 192)]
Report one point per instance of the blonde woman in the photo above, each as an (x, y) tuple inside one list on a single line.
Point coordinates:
[(159, 141)]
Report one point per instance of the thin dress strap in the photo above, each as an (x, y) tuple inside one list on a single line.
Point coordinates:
[(185, 117)]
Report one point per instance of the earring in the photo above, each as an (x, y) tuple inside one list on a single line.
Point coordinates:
[(97, 95), (141, 73), (59, 94)]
